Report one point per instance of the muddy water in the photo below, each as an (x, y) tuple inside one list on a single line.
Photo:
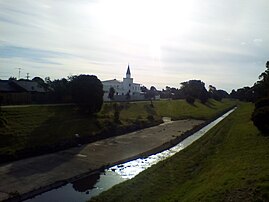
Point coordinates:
[(92, 185)]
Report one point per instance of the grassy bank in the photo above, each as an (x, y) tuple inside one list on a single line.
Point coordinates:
[(230, 163), (41, 129)]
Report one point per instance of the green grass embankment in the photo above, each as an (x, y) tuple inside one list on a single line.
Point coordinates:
[(41, 129), (229, 163)]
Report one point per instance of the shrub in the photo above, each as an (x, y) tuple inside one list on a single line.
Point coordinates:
[(3, 121), (117, 116), (87, 92), (190, 100), (262, 103), (150, 118), (260, 118)]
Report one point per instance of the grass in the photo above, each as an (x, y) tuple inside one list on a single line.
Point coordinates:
[(229, 163), (38, 128)]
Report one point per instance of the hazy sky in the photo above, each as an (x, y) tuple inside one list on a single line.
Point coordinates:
[(225, 43)]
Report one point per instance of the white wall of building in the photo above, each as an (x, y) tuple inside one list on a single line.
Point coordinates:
[(122, 87)]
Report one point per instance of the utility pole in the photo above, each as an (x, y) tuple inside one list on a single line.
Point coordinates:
[(27, 77), (19, 72)]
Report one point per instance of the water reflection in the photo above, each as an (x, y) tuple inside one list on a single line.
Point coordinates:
[(132, 168), (87, 183), (82, 189)]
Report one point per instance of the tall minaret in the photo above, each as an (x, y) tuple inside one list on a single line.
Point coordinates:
[(128, 73), (128, 82)]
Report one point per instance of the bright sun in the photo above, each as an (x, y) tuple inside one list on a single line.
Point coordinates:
[(147, 22)]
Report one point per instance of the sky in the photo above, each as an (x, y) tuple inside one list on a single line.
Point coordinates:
[(224, 43)]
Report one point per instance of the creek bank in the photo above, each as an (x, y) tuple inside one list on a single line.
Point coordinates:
[(112, 130), (35, 173), (86, 187), (107, 153)]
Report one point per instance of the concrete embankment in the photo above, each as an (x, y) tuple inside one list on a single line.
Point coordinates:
[(27, 177)]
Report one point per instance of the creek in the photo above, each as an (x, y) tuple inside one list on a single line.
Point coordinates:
[(85, 188)]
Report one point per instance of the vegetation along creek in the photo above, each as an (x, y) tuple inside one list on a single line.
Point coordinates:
[(92, 185)]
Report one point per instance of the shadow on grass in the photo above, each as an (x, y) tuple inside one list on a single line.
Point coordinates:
[(193, 104), (64, 128), (210, 104), (54, 134)]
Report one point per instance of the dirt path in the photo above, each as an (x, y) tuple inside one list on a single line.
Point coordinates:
[(34, 173)]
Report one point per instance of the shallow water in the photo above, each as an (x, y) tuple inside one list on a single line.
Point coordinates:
[(92, 185)]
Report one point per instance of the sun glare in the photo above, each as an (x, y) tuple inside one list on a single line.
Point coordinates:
[(145, 22)]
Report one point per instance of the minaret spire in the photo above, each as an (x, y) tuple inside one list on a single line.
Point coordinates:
[(128, 73)]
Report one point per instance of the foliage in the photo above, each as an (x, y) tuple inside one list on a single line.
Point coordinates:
[(117, 108), (128, 96), (262, 103), (260, 119), (12, 78), (150, 118), (151, 93), (260, 116), (111, 93), (87, 92), (259, 90), (190, 100), (37, 127), (60, 90), (244, 94), (217, 94), (226, 164), (195, 89)]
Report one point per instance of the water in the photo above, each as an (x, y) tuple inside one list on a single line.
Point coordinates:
[(92, 185)]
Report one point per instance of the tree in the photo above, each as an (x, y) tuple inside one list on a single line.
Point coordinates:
[(111, 93), (151, 93), (214, 93), (60, 90), (87, 92), (128, 96), (260, 116), (195, 89), (144, 89), (41, 82), (263, 84), (12, 78)]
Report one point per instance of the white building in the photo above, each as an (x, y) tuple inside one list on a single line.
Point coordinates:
[(122, 88)]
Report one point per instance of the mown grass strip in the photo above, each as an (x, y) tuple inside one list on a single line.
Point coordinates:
[(229, 163), (42, 129)]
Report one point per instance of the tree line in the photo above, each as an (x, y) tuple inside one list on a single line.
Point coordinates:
[(84, 90), (189, 90)]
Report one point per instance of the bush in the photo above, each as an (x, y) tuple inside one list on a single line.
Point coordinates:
[(3, 121), (87, 92), (150, 118), (260, 118), (190, 100), (262, 103)]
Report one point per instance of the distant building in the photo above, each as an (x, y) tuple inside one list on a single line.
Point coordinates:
[(21, 92), (122, 88)]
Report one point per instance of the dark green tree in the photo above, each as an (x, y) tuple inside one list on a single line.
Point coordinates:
[(195, 89), (111, 93), (260, 116), (263, 83), (128, 96), (87, 92), (59, 91)]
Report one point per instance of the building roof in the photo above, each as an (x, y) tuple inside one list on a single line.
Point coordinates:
[(29, 86), (5, 86), (128, 70), (115, 81)]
